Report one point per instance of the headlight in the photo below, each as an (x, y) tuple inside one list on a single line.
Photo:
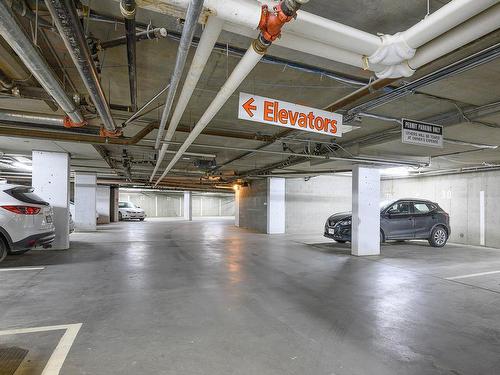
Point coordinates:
[(345, 222)]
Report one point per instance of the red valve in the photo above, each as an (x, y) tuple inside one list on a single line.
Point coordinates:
[(271, 22)]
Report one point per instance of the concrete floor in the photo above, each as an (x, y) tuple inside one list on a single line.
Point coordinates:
[(171, 297)]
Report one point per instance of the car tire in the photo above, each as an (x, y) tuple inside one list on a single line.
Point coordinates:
[(120, 217), (141, 219), (340, 241), (3, 250), (382, 236), (439, 237)]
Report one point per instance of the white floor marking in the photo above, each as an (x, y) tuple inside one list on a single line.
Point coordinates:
[(472, 275), (56, 360), (21, 269)]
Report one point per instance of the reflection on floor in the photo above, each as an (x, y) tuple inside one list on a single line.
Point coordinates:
[(204, 297)]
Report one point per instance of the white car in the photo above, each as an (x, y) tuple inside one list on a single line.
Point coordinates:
[(127, 210), (26, 220)]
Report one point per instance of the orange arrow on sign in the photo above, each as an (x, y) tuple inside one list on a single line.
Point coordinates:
[(248, 107)]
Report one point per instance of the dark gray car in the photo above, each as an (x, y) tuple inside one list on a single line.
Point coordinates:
[(403, 219)]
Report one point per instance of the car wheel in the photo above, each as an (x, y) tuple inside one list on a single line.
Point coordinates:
[(439, 236), (340, 241), (382, 236), (3, 250), (120, 217)]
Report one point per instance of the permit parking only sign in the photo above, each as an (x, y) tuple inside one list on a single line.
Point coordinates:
[(289, 115), (421, 133)]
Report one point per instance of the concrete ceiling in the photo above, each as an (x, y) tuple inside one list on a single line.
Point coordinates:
[(156, 58)]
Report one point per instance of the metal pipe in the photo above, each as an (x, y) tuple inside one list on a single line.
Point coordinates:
[(31, 118), (270, 29), (156, 33), (34, 61), (68, 24), (205, 47), (193, 13), (139, 111), (128, 9)]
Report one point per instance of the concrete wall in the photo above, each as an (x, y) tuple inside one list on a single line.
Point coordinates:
[(253, 206), (170, 204), (459, 196), (103, 196), (310, 203)]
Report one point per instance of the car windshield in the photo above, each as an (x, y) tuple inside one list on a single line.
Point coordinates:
[(126, 205)]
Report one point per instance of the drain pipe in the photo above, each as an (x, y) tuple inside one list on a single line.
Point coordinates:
[(193, 14), (151, 34), (128, 9), (34, 61), (270, 25), (205, 47), (68, 24)]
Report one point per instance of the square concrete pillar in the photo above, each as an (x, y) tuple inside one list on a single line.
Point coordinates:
[(365, 211), (113, 203), (275, 205), (85, 201), (103, 204), (50, 180), (188, 205), (237, 208)]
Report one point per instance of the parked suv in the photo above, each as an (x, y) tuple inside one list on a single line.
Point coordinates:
[(403, 219), (26, 221)]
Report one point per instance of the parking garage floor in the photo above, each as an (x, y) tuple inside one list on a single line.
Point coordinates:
[(204, 297)]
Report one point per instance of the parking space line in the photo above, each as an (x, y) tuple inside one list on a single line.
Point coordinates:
[(58, 356), (471, 275), (21, 269)]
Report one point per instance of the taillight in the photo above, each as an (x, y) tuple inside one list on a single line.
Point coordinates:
[(22, 210)]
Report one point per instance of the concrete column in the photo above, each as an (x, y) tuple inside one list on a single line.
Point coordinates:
[(113, 203), (50, 180), (275, 205), (188, 205), (237, 208), (103, 203), (365, 211), (85, 201)]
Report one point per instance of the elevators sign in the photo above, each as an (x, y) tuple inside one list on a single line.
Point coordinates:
[(290, 115), (421, 133)]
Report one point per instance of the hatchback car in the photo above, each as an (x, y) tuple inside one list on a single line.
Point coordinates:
[(128, 210), (26, 220), (403, 219)]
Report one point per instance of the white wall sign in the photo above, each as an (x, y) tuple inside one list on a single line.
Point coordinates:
[(290, 115), (421, 133)]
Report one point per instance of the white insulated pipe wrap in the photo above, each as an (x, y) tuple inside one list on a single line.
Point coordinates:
[(240, 72), (207, 42)]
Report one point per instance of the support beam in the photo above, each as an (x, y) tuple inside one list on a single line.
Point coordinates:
[(275, 205), (237, 208), (85, 201), (365, 234), (188, 205), (113, 203), (103, 200), (50, 179)]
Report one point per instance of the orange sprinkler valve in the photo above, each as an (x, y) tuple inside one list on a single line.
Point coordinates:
[(103, 132), (70, 124), (271, 22)]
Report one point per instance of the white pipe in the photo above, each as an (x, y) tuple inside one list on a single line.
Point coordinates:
[(467, 32), (446, 18), (240, 72), (309, 46), (205, 47)]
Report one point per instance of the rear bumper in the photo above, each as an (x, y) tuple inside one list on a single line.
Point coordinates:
[(39, 239)]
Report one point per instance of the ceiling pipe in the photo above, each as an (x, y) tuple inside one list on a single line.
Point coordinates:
[(151, 34), (128, 10), (205, 46), (68, 24), (193, 13), (270, 25), (34, 61), (137, 114)]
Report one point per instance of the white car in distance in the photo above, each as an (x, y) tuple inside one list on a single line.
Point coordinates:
[(128, 210), (26, 220)]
